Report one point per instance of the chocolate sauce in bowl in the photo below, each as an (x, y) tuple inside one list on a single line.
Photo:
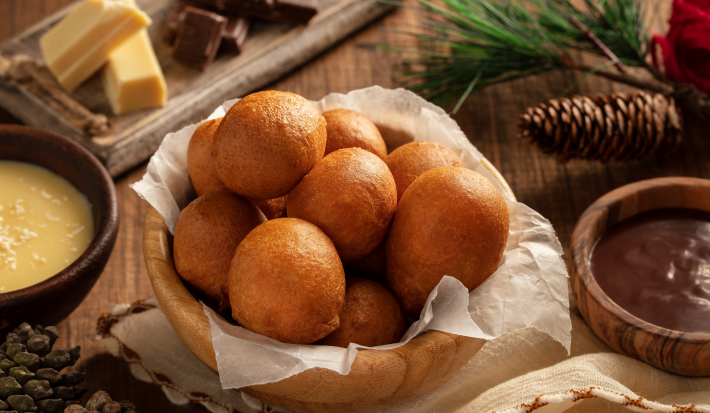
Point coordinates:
[(656, 266)]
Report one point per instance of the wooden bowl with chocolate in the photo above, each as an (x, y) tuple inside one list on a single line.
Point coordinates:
[(296, 276), (640, 259)]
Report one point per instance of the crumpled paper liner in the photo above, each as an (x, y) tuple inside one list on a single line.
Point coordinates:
[(537, 374), (529, 289)]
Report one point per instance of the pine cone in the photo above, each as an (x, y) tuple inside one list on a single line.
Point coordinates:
[(100, 402), (614, 127), (30, 378)]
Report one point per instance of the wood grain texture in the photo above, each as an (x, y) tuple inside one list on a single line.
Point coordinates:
[(377, 378), (559, 192), (271, 50), (673, 351)]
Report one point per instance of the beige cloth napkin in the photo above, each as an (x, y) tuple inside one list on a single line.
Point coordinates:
[(518, 372)]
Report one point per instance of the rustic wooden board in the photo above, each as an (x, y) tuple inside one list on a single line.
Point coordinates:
[(271, 50)]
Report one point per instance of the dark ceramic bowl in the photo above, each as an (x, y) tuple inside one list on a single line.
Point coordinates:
[(54, 299), (673, 351)]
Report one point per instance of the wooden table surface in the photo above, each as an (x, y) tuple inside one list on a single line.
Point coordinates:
[(559, 192)]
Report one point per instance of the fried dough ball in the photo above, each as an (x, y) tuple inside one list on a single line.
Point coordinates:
[(272, 208), (371, 316), (351, 196), (206, 236), (199, 159), (409, 161), (286, 282), (451, 221), (267, 142), (350, 129), (372, 266)]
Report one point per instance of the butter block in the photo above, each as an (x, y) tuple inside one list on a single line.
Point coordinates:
[(132, 77), (80, 44)]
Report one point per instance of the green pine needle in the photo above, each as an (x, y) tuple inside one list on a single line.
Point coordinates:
[(468, 45)]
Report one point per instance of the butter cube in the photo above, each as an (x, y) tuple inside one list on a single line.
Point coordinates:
[(132, 77), (80, 44)]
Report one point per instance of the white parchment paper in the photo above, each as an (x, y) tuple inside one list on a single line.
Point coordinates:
[(528, 290)]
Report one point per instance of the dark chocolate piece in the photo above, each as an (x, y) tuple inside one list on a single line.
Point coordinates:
[(234, 35), (295, 11), (199, 37), (173, 22), (289, 11)]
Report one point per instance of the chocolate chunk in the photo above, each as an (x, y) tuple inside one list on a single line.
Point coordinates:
[(199, 37), (295, 11), (289, 11), (173, 22), (234, 35)]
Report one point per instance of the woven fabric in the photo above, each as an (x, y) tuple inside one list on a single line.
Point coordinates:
[(518, 372)]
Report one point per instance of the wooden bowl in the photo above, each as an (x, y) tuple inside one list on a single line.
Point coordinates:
[(673, 351), (377, 379), (51, 300)]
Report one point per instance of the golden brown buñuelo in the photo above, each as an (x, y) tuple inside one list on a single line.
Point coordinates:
[(351, 196), (371, 316), (199, 159), (206, 236), (349, 129), (267, 142), (372, 266), (450, 221), (410, 161), (272, 208), (286, 282)]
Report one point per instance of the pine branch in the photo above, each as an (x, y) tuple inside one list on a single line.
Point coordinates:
[(652, 85), (471, 44)]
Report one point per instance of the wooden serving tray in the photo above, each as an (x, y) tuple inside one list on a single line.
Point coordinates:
[(271, 50)]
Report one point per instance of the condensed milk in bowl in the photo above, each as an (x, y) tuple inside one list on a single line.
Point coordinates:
[(58, 225)]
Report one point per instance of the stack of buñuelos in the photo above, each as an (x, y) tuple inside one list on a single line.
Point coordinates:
[(335, 249)]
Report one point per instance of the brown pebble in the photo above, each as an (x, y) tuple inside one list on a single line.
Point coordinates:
[(127, 405), (112, 407), (74, 408), (98, 400)]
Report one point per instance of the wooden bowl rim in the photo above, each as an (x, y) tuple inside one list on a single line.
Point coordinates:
[(190, 309), (585, 230), (105, 230)]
